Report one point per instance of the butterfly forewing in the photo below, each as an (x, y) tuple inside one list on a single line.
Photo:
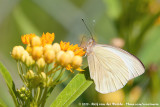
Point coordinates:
[(134, 65)]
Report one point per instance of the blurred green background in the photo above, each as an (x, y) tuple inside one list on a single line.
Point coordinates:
[(137, 22)]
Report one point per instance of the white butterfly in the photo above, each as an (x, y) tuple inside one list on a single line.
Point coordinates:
[(111, 67)]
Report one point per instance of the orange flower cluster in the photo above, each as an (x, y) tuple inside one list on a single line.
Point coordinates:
[(40, 60), (26, 38), (65, 46), (36, 44), (45, 39)]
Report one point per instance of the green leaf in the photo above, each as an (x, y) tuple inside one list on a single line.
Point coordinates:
[(7, 77), (2, 103), (23, 22), (150, 51), (73, 90), (139, 40), (113, 8)]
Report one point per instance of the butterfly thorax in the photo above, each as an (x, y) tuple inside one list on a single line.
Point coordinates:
[(89, 47)]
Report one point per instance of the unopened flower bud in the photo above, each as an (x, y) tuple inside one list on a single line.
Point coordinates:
[(29, 61), (50, 81), (118, 42), (56, 47), (26, 98), (114, 97), (17, 52), (30, 74), (71, 53), (153, 67), (22, 95), (23, 89), (35, 41), (24, 56), (37, 52), (58, 56), (28, 93), (65, 59), (49, 56), (18, 91), (76, 62), (135, 94), (43, 76), (47, 47), (41, 63), (29, 49)]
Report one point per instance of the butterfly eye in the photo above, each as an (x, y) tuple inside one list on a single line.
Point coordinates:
[(90, 42)]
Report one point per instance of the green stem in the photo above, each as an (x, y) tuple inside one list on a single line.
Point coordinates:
[(21, 67), (38, 94), (26, 68), (51, 71), (53, 86), (54, 72), (47, 68), (43, 100), (30, 89), (60, 75), (20, 73), (50, 90), (35, 94), (59, 82), (36, 68)]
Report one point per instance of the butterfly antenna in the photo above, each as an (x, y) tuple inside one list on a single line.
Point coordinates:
[(82, 40), (87, 28)]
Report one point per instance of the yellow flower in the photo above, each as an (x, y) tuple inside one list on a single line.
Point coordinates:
[(29, 49), (30, 74), (58, 56), (47, 38), (17, 52), (77, 62), (37, 52), (56, 47), (35, 41), (157, 22), (114, 97), (47, 47), (65, 54), (65, 46), (29, 61), (69, 67), (65, 59), (24, 56), (27, 38), (78, 51), (41, 63), (49, 56), (135, 94)]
